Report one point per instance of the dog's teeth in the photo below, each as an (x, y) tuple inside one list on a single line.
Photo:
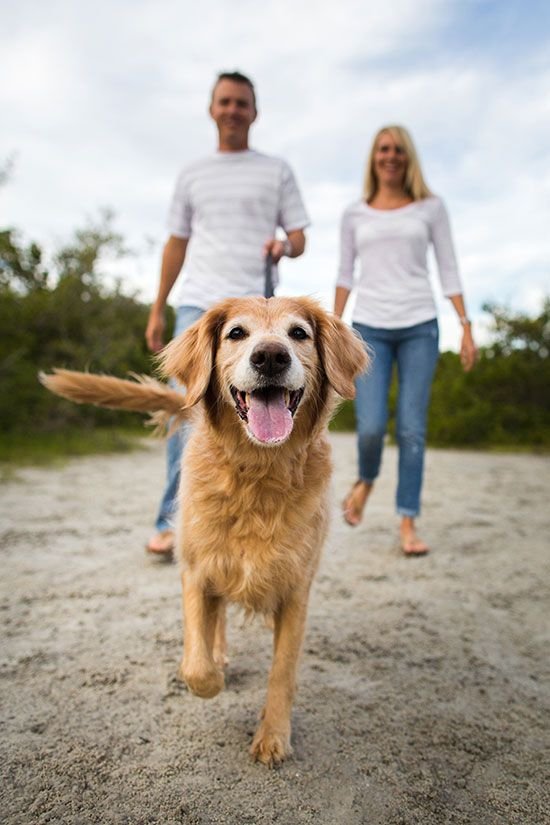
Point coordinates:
[(287, 397)]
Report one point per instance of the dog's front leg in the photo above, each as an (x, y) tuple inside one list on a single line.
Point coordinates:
[(219, 648), (201, 614), (272, 740)]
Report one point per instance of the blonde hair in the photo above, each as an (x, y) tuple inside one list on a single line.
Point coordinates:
[(414, 184)]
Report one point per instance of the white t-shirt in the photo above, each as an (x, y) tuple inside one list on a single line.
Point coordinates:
[(393, 286), (229, 205)]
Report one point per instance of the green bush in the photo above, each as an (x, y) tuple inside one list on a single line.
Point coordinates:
[(69, 318), (76, 323), (503, 401)]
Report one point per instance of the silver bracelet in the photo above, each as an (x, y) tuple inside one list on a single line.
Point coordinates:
[(287, 248), (464, 320)]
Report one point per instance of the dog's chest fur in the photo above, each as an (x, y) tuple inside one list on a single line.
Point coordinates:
[(257, 525)]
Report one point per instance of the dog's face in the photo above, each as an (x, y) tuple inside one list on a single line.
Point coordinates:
[(267, 363), (267, 360)]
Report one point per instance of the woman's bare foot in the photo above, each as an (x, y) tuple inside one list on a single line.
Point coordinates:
[(161, 544), (411, 545), (354, 503)]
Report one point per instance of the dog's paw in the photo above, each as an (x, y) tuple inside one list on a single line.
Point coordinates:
[(221, 659), (204, 683), (270, 746)]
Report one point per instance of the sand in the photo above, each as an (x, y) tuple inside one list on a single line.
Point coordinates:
[(423, 690)]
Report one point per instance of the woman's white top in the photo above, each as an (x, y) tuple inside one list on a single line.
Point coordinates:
[(393, 288)]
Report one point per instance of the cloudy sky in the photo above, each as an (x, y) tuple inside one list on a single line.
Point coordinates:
[(103, 103)]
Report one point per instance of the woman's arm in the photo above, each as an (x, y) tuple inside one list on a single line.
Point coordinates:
[(344, 281)]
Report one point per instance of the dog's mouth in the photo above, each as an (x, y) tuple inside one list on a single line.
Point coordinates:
[(268, 411)]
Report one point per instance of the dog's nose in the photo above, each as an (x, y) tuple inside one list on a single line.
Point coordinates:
[(270, 358)]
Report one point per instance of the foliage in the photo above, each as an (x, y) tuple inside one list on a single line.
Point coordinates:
[(65, 315), (66, 318), (20, 268), (520, 332), (504, 401)]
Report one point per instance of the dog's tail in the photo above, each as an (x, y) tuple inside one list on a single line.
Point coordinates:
[(142, 394)]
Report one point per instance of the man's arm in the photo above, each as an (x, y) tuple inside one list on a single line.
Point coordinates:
[(292, 247), (173, 257)]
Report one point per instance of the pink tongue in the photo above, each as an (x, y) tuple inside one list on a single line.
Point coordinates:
[(268, 418)]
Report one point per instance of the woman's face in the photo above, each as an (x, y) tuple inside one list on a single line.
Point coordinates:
[(390, 161)]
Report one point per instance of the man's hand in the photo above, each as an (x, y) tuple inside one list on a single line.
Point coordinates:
[(276, 249), (292, 246), (154, 334)]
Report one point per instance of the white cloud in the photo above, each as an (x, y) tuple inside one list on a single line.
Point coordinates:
[(105, 102)]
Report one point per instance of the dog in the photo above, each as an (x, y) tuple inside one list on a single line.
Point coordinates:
[(262, 380)]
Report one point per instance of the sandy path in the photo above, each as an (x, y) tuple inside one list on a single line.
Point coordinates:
[(424, 686)]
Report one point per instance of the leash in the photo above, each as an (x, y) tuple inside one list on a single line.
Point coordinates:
[(269, 291)]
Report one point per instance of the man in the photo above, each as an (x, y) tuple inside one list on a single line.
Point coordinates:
[(222, 222)]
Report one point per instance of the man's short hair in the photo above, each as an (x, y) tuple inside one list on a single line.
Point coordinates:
[(236, 77)]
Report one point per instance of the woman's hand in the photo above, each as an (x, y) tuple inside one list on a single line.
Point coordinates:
[(468, 350)]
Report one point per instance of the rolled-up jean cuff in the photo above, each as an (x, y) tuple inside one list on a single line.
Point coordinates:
[(403, 511)]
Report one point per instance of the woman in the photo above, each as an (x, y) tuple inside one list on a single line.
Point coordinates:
[(389, 230)]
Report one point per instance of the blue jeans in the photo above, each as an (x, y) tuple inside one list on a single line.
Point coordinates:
[(415, 351), (185, 317)]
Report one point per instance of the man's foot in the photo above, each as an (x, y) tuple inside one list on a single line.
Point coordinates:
[(161, 544), (354, 503), (411, 545)]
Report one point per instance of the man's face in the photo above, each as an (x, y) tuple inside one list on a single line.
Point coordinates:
[(233, 111)]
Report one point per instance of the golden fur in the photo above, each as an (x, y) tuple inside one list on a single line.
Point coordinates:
[(253, 515)]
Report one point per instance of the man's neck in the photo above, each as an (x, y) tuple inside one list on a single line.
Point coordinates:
[(223, 146)]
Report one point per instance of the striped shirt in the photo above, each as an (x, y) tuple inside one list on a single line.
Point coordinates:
[(393, 285), (229, 205)]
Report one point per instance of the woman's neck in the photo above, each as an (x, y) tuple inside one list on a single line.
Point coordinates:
[(389, 197)]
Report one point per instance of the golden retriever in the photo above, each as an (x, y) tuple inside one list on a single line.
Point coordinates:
[(264, 376)]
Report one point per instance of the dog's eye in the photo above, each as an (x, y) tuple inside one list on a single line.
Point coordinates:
[(236, 333), (298, 332)]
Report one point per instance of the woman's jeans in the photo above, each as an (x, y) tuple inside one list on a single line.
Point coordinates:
[(185, 317), (415, 351)]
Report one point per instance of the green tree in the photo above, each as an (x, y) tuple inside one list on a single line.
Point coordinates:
[(504, 401), (520, 332), (67, 315), (69, 318), (21, 268)]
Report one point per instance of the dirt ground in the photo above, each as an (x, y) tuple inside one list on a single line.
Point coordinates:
[(424, 686)]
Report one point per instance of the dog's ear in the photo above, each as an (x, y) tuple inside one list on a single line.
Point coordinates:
[(343, 353), (190, 357)]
